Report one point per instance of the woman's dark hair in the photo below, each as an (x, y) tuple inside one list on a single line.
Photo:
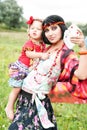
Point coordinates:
[(53, 19)]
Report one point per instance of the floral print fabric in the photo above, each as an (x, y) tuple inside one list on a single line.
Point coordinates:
[(67, 80), (26, 117)]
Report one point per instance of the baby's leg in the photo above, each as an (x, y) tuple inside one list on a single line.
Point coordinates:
[(11, 101)]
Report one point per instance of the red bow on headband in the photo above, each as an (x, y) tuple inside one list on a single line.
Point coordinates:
[(30, 21)]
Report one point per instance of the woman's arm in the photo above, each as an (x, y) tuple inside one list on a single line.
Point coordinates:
[(81, 72)]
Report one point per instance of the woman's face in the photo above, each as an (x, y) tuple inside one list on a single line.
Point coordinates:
[(53, 33)]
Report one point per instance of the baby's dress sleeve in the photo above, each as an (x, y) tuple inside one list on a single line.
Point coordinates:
[(28, 46)]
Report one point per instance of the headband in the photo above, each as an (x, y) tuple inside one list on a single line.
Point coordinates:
[(55, 23)]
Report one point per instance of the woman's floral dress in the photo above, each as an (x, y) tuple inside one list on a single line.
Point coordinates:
[(34, 109)]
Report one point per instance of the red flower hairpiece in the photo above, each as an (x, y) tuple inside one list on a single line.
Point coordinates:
[(30, 21)]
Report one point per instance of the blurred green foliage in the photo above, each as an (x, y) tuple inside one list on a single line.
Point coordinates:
[(68, 116)]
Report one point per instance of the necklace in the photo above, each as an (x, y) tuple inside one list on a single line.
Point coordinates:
[(49, 73)]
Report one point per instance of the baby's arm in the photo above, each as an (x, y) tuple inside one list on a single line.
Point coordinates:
[(41, 55)]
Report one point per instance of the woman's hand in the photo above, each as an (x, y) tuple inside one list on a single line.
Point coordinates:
[(81, 72), (78, 39)]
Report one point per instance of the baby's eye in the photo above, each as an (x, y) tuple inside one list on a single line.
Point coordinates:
[(54, 28), (32, 28), (39, 29)]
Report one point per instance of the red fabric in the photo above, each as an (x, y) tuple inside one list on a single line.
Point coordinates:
[(60, 94), (29, 45), (69, 87)]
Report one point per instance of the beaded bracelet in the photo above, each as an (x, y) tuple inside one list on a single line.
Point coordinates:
[(82, 53)]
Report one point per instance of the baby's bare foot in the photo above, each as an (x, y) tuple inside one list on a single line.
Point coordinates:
[(9, 113)]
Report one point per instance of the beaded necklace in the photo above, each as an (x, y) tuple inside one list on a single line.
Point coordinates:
[(49, 73)]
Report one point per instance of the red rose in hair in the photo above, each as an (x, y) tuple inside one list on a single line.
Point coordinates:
[(30, 21)]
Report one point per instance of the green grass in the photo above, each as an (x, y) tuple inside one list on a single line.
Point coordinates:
[(68, 116)]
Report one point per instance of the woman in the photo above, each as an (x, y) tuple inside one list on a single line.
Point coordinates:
[(34, 110)]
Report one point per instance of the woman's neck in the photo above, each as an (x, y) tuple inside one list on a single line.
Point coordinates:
[(56, 46)]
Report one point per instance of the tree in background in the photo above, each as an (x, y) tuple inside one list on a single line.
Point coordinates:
[(1, 10), (83, 27), (11, 13)]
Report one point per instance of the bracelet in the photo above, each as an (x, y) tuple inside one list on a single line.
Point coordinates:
[(82, 53)]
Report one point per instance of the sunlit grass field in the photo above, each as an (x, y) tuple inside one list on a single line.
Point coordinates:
[(68, 116)]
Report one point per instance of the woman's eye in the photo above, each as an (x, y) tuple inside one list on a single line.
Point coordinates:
[(54, 28), (46, 30)]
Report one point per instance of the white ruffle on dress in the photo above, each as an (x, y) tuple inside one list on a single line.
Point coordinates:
[(40, 81)]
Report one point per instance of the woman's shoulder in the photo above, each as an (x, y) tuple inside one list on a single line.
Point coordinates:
[(68, 57), (66, 52)]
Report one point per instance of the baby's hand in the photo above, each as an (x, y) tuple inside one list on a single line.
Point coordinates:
[(12, 72), (45, 56)]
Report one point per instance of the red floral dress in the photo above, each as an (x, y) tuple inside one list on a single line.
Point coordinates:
[(69, 88), (29, 45), (24, 63)]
